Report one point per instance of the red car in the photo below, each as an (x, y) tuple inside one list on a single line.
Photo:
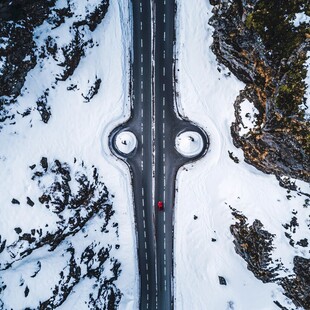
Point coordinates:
[(160, 205)]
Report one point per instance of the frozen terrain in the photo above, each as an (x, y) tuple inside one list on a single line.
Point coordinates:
[(208, 272), (66, 213)]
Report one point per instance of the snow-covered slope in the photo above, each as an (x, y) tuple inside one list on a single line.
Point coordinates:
[(209, 274), (66, 219)]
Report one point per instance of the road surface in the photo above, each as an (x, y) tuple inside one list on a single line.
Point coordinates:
[(155, 162)]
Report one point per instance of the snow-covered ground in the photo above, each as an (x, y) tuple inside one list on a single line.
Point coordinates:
[(203, 242), (77, 134)]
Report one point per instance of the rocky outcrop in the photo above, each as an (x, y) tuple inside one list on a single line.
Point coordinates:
[(19, 52), (258, 42), (75, 195), (255, 245)]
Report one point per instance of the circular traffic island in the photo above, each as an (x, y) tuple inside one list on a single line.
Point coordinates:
[(126, 142), (189, 143)]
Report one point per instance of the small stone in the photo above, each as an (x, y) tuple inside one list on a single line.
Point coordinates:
[(44, 163), (15, 202), (30, 202), (26, 291), (195, 217), (18, 230), (222, 280)]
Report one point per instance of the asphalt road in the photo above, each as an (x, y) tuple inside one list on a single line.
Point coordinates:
[(155, 162)]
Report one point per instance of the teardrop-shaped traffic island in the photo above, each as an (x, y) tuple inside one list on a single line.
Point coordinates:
[(189, 143), (126, 142)]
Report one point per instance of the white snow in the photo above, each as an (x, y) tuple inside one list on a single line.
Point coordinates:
[(248, 112), (126, 142), (209, 187), (301, 18), (75, 130), (189, 143)]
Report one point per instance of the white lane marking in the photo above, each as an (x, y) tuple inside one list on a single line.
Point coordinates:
[(164, 71), (141, 42), (164, 87)]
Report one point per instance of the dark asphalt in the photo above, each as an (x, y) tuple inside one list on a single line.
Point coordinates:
[(156, 125)]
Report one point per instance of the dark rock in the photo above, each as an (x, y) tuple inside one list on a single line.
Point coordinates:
[(30, 202), (26, 291), (222, 280), (303, 242), (234, 158), (18, 230), (44, 163), (15, 202), (254, 245), (93, 90)]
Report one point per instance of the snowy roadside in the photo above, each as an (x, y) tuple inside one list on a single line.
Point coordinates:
[(76, 133), (208, 189)]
